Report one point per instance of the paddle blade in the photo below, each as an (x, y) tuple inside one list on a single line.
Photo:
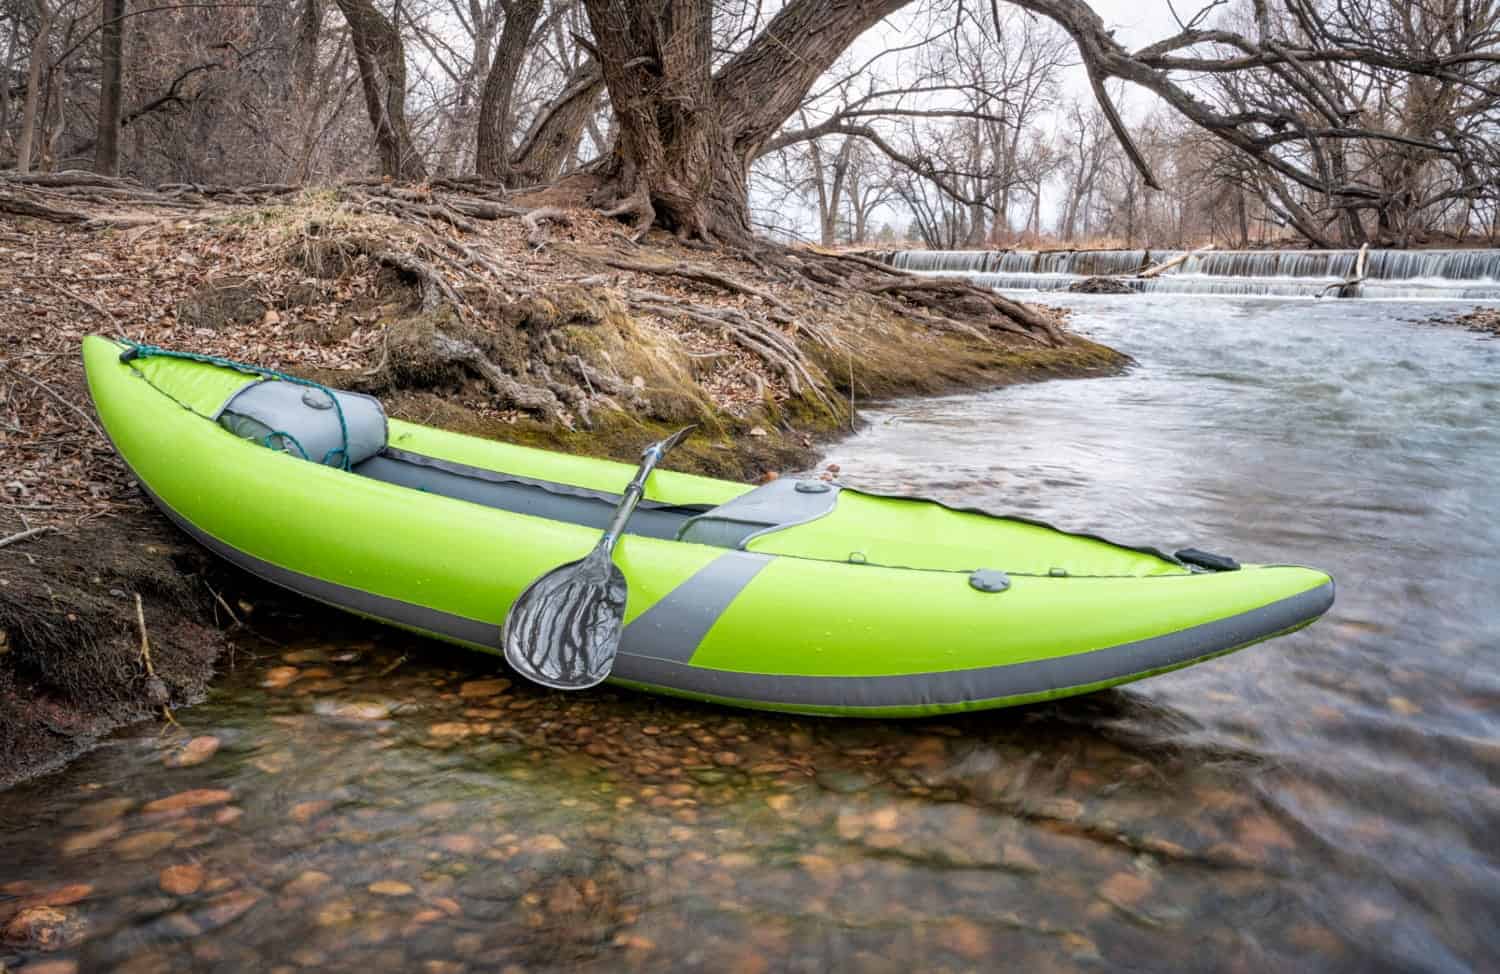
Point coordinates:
[(564, 630)]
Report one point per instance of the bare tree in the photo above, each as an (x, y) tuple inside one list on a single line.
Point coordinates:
[(382, 69)]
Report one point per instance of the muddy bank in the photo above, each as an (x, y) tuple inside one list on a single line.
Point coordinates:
[(568, 336)]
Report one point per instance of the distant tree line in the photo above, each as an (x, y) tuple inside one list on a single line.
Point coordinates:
[(1338, 121)]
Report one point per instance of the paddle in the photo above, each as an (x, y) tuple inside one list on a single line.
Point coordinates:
[(564, 630)]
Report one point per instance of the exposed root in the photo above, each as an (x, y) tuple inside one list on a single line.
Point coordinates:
[(536, 236), (511, 390), (702, 275), (20, 536)]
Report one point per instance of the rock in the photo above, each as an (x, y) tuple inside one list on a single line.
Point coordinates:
[(102, 812), (92, 839), (726, 759), (195, 798), (301, 656), (280, 676), (708, 776), (223, 910), (1100, 285), (483, 689), (61, 895), (1125, 888), (355, 709), (306, 883), (965, 938), (181, 880), (228, 815), (194, 752), (462, 845), (390, 887), (144, 845), (821, 867), (1402, 706), (304, 812), (451, 730), (42, 928), (843, 782), (545, 843)]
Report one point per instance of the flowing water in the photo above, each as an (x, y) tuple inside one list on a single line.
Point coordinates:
[(362, 800), (1388, 274)]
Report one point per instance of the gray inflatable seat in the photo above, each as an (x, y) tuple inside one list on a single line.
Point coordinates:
[(770, 507), (302, 421)]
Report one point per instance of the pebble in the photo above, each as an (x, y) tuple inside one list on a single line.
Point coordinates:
[(92, 839), (280, 676), (726, 759), (304, 812), (1125, 888), (195, 798), (451, 729), (483, 689), (390, 887), (144, 845), (843, 782), (545, 843), (181, 880), (194, 752), (227, 908), (42, 928), (102, 812), (307, 882)]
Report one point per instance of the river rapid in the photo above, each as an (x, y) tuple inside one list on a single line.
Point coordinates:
[(359, 799)]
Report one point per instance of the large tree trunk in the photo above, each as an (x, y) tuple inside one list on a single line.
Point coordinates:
[(111, 69), (492, 153), (553, 138), (31, 104), (685, 136), (382, 74)]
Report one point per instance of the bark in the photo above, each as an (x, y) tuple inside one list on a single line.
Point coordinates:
[(685, 136), (382, 74), (492, 153), (552, 140), (31, 105), (111, 68)]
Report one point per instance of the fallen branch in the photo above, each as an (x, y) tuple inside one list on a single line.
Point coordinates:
[(1165, 266), (20, 536), (1346, 287)]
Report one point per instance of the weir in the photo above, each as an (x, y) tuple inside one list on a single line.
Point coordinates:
[(1389, 274)]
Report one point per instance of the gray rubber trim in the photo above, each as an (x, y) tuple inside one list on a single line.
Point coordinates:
[(768, 508), (990, 682), (521, 495), (672, 628)]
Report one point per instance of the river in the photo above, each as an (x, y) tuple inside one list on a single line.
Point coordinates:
[(358, 799)]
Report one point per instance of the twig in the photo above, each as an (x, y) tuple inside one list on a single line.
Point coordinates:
[(24, 535), (56, 396), (140, 620), (91, 305), (391, 668)]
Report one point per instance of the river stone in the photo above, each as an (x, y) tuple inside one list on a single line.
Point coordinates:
[(181, 880), (843, 782), (194, 752), (195, 798)]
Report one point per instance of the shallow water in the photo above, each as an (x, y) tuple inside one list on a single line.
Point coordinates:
[(1329, 800)]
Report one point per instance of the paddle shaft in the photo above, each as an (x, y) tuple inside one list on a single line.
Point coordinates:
[(634, 491)]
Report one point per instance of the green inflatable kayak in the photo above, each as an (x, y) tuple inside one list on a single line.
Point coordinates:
[(799, 596)]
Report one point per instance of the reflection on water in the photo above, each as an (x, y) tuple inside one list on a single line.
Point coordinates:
[(1325, 801)]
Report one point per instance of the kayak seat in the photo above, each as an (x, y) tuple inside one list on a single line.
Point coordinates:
[(782, 503), (303, 421)]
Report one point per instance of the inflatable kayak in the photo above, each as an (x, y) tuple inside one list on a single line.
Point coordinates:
[(798, 595)]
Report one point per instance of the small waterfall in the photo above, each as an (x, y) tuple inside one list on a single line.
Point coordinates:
[(1389, 274)]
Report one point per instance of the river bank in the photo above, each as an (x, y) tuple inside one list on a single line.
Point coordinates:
[(582, 341)]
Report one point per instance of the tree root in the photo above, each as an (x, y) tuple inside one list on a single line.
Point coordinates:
[(702, 275), (536, 236), (512, 391)]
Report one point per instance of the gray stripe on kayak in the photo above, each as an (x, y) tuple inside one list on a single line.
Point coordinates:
[(672, 628), (989, 682), (908, 690)]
